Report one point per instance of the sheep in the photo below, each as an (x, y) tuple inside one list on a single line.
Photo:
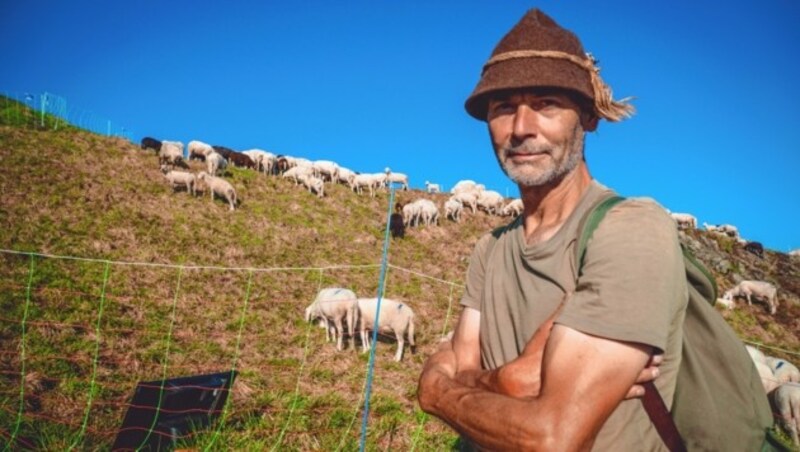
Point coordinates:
[(452, 210), (399, 178), (180, 179), (336, 307), (411, 214), (359, 181), (760, 290), (223, 151), (794, 253), (783, 370), (345, 175), (314, 184), (755, 248), (326, 168), (151, 143), (467, 198), (199, 150), (241, 160), (395, 316), (428, 211), (220, 187), (786, 401), (724, 229), (432, 188), (297, 172), (463, 186), (513, 208), (171, 153), (684, 220), (215, 163), (491, 202), (768, 379)]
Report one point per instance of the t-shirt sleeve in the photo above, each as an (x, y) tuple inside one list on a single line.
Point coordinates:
[(633, 285), (476, 274)]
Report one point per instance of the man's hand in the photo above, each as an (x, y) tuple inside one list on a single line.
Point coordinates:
[(649, 373)]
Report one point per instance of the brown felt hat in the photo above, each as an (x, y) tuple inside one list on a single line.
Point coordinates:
[(538, 52)]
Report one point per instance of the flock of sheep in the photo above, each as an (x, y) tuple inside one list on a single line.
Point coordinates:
[(313, 175)]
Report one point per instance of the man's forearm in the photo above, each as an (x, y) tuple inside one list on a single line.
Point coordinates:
[(468, 405)]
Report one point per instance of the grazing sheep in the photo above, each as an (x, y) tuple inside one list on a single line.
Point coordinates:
[(464, 186), (171, 153), (420, 211), (220, 187), (395, 316), (432, 188), (313, 183), (452, 210), (794, 253), (684, 220), (326, 169), (728, 304), (768, 379), (199, 150), (491, 202), (297, 172), (467, 198), (346, 175), (216, 163), (240, 160), (786, 401), (755, 248), (724, 229), (513, 208), (151, 143), (180, 179), (361, 181), (336, 307), (783, 370), (399, 178), (759, 290)]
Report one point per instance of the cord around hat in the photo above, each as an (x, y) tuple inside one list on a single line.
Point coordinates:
[(604, 104)]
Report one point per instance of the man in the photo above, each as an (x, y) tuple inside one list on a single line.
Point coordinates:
[(544, 358)]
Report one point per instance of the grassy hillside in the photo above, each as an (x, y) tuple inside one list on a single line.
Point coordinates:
[(170, 285)]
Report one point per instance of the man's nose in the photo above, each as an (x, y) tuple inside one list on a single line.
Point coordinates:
[(525, 122)]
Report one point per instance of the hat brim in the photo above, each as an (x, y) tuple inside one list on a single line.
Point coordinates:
[(521, 73)]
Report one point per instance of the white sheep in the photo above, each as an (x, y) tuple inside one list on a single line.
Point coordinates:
[(361, 181), (314, 184), (795, 253), (220, 187), (432, 188), (513, 208), (171, 153), (399, 178), (727, 304), (336, 307), (783, 370), (768, 379), (463, 186), (724, 229), (420, 211), (395, 316), (452, 210), (759, 290), (467, 198), (491, 202), (215, 163), (345, 175), (786, 399), (180, 179), (684, 220), (297, 172), (199, 150), (264, 160), (326, 168)]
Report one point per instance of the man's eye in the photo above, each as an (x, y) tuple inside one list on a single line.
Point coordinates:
[(502, 108)]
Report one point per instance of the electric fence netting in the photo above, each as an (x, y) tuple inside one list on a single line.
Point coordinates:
[(79, 334), (47, 111)]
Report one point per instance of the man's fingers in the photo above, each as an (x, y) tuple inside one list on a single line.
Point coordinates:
[(634, 392), (648, 374)]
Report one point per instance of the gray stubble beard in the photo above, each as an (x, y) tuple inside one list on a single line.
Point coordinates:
[(574, 156)]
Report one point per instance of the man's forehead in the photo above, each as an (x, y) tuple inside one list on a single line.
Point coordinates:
[(505, 95)]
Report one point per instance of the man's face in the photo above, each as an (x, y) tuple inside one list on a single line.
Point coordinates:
[(537, 135)]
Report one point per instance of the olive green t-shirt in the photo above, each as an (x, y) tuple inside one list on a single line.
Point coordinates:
[(632, 288)]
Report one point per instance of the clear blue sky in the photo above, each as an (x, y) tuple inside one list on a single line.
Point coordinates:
[(371, 84)]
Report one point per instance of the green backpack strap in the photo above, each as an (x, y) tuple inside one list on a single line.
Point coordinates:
[(589, 223)]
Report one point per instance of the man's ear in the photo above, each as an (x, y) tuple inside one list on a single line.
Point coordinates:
[(589, 122)]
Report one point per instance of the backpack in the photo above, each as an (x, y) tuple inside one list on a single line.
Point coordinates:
[(719, 402)]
